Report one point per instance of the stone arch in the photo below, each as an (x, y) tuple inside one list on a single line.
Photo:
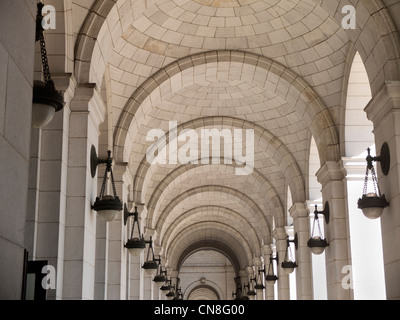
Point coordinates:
[(376, 38), (214, 291), (213, 244), (216, 189), (312, 107), (257, 177), (60, 42), (217, 214), (229, 242), (281, 154)]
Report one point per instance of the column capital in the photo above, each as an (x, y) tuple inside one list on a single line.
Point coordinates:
[(379, 106), (250, 271), (257, 262), (88, 100), (354, 168), (279, 234), (66, 83), (266, 249), (298, 210), (330, 171)]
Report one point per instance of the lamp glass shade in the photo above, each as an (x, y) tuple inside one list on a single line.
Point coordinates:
[(135, 251), (251, 294), (150, 267), (289, 266), (317, 245), (46, 102), (107, 215), (170, 295), (165, 289), (372, 205), (108, 207), (372, 213), (42, 114), (135, 246), (159, 280)]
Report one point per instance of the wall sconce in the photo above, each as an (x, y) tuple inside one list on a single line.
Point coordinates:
[(176, 292), (259, 283), (372, 204), (135, 245), (239, 289), (171, 294), (316, 244), (107, 206), (244, 293), (270, 276), (251, 293), (161, 276), (166, 287), (46, 100), (289, 263), (179, 294), (150, 265)]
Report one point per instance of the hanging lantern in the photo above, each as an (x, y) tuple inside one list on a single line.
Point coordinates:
[(373, 203), (150, 265), (289, 263), (46, 100), (161, 276), (271, 277), (136, 243), (259, 283), (251, 292), (316, 243), (166, 287), (107, 206)]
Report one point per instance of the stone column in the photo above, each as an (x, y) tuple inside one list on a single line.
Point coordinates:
[(136, 274), (17, 46), (281, 245), (116, 263), (48, 188), (304, 281), (148, 279), (384, 112), (257, 266), (269, 289), (337, 254), (87, 112)]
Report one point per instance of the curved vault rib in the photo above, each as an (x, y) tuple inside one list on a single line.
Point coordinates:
[(212, 189), (213, 214), (318, 116), (273, 146), (215, 233), (258, 179)]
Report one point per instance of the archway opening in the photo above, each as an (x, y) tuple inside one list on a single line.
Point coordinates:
[(207, 275), (367, 271)]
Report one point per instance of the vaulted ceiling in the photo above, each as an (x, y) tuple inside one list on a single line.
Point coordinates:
[(277, 67)]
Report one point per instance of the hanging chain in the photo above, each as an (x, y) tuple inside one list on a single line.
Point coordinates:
[(103, 185), (112, 182), (375, 182), (370, 166), (366, 181), (108, 163), (319, 228)]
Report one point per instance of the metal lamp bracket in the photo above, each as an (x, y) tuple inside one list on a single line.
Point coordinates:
[(324, 212), (383, 158), (128, 214), (95, 161), (295, 241)]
